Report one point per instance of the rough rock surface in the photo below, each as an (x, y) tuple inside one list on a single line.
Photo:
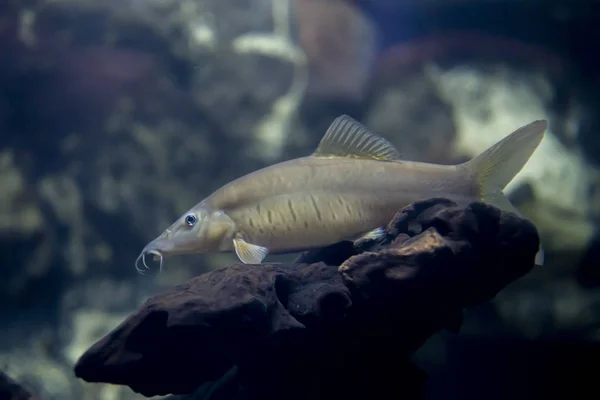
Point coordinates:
[(307, 329)]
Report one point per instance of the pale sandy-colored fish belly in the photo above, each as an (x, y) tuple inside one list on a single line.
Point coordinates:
[(313, 202)]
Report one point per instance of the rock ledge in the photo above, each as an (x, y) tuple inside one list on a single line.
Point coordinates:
[(329, 325)]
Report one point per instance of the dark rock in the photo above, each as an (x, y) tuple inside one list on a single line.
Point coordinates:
[(11, 390), (315, 330), (470, 237)]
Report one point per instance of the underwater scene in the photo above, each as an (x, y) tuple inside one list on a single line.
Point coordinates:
[(299, 199)]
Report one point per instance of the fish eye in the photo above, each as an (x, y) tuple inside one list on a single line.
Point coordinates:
[(190, 219)]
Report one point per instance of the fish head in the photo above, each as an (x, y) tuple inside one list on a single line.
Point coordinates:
[(198, 230)]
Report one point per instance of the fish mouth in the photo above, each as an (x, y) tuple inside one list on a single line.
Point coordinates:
[(157, 248), (140, 262)]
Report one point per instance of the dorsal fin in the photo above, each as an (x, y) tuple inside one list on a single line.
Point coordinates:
[(347, 137)]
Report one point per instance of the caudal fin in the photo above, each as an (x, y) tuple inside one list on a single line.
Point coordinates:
[(497, 166)]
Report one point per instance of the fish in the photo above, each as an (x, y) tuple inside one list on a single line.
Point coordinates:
[(350, 187)]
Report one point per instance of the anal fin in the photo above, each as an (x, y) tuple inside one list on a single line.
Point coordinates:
[(374, 234)]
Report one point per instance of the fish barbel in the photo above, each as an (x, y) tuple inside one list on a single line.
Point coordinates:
[(351, 186)]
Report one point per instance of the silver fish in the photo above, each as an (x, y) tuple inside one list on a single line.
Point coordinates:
[(349, 187)]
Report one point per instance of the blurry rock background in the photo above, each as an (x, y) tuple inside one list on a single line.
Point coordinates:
[(118, 115)]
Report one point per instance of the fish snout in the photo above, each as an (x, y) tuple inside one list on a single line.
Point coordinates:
[(159, 245)]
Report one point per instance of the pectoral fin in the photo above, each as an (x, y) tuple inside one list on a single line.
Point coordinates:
[(249, 253)]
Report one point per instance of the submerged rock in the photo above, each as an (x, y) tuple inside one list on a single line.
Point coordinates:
[(310, 329)]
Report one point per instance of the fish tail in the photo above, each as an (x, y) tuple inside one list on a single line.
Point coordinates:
[(497, 166)]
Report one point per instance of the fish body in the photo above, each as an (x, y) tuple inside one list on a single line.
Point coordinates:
[(313, 202), (350, 187)]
